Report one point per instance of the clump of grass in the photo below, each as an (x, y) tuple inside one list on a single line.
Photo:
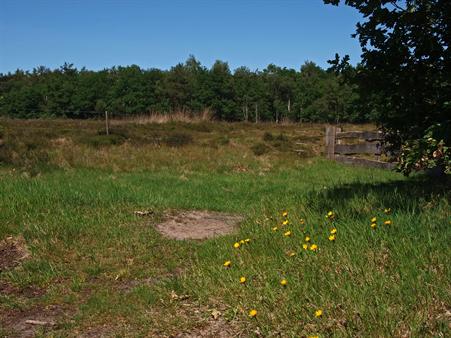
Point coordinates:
[(203, 127), (268, 136), (178, 139), (260, 149), (281, 138), (223, 140), (2, 131), (103, 140)]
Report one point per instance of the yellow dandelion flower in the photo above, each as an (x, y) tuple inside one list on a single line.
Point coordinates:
[(275, 229), (332, 238), (305, 246), (236, 245), (373, 220), (333, 231), (291, 254), (285, 214), (373, 225), (252, 313), (318, 313), (285, 222), (307, 239), (242, 280), (247, 240), (227, 264), (330, 214), (287, 234), (313, 247), (242, 241), (387, 222), (387, 211), (283, 282)]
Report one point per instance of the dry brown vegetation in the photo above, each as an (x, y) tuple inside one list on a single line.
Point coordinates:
[(147, 145)]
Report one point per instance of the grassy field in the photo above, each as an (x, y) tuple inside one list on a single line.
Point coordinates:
[(68, 193)]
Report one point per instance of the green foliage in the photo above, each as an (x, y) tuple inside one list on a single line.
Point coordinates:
[(429, 152), (273, 94)]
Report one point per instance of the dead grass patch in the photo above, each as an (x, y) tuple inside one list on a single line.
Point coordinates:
[(13, 250), (212, 328)]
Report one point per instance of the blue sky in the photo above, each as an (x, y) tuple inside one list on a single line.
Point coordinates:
[(161, 33)]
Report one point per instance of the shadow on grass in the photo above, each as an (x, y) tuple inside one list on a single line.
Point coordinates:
[(405, 195)]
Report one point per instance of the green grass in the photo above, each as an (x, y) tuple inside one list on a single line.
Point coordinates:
[(111, 271)]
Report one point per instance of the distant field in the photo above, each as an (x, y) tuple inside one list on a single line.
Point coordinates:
[(91, 267)]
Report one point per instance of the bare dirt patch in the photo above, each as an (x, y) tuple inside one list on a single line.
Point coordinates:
[(13, 250), (26, 323), (197, 224), (30, 291)]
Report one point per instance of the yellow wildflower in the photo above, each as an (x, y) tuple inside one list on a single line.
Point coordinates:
[(302, 221), (285, 214), (330, 214), (387, 211), (333, 231), (307, 239), (227, 264), (318, 313), (305, 246), (243, 280), (247, 240), (275, 229), (242, 241), (292, 253), (313, 247), (236, 245), (252, 313), (283, 282), (332, 238), (373, 225), (373, 220), (287, 234), (285, 222), (313, 336), (387, 222)]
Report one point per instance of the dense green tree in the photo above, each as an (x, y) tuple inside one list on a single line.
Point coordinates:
[(406, 71)]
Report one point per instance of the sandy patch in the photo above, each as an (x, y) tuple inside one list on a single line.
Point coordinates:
[(198, 224)]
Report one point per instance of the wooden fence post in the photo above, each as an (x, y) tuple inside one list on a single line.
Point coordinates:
[(107, 124), (330, 142)]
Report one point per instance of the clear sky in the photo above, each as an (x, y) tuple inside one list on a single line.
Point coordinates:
[(161, 33)]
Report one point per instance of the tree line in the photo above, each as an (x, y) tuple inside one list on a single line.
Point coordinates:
[(272, 94)]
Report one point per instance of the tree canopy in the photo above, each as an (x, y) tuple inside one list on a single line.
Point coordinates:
[(405, 74), (272, 94)]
